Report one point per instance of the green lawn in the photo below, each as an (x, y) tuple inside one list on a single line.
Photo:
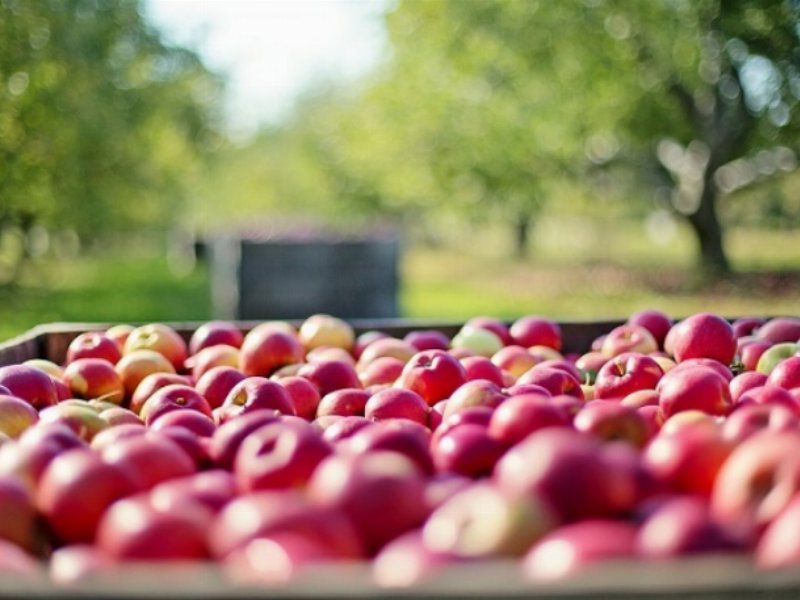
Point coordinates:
[(572, 273)]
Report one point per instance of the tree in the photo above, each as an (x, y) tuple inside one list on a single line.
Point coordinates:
[(101, 122)]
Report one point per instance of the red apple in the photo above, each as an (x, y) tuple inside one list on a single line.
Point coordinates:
[(786, 374), (779, 547), (427, 339), (93, 344), (174, 397), (18, 524), (94, 378), (346, 402), (266, 349), (627, 373), (258, 393), (150, 385), (401, 436), (704, 335), (150, 459), (629, 338), (574, 547), (696, 388), (220, 355), (305, 396), (213, 333), (749, 420), (751, 353), (133, 367), (83, 419), (16, 415), (515, 360), (365, 339), (467, 450), (746, 381), (112, 435), (519, 416), (343, 428), (383, 370), (216, 384), (641, 398), (556, 381), (780, 329), (279, 456), (330, 376), (159, 338), (768, 394), (36, 448), (655, 321), (610, 421), (536, 331), (212, 489), (75, 490), (480, 367), (474, 393), (746, 326), (30, 384), (397, 403), (385, 348), (382, 493), (229, 436), (195, 421)]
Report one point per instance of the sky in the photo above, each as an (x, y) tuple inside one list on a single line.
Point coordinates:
[(270, 51)]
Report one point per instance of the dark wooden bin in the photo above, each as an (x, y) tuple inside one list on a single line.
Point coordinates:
[(702, 578)]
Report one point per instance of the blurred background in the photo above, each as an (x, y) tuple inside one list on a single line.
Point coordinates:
[(580, 159)]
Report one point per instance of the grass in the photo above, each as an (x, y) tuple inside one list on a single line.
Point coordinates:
[(576, 270)]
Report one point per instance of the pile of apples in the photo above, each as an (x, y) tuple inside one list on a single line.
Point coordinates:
[(287, 448)]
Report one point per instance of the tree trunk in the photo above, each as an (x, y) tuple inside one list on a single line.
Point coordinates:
[(522, 228), (706, 226)]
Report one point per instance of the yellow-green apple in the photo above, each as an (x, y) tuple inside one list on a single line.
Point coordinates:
[(749, 420), (132, 529), (30, 384), (397, 403), (786, 373), (496, 326), (536, 331), (572, 474), (133, 367), (655, 321), (16, 416), (483, 522), (76, 489), (92, 378), (609, 421), (305, 396), (216, 384), (696, 388), (704, 335), (278, 456), (266, 349), (325, 330), (480, 367), (519, 416), (689, 459), (628, 338), (158, 338), (48, 366), (482, 342), (258, 393), (330, 376), (213, 333), (574, 547), (83, 419), (626, 373), (775, 354), (780, 329), (173, 397), (387, 347), (382, 493), (757, 482), (229, 436), (345, 402), (383, 370), (93, 344)]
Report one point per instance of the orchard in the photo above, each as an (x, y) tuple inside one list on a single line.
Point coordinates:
[(269, 453)]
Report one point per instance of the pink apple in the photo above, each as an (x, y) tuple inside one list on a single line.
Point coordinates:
[(212, 489), (258, 393), (305, 396), (627, 373), (150, 459), (277, 559), (433, 374), (480, 367), (30, 384), (397, 403), (199, 423), (427, 339), (556, 381), (746, 381), (343, 427), (213, 333), (365, 339), (768, 394), (36, 448), (655, 321), (330, 376), (704, 335), (216, 384), (515, 360), (78, 564), (344, 402), (112, 435), (629, 338), (536, 331), (209, 357), (749, 420), (266, 349), (229, 436), (474, 393), (779, 547), (641, 398), (405, 437), (19, 522), (746, 326), (786, 374), (696, 388), (407, 561), (519, 416), (173, 397), (383, 370), (780, 329), (119, 416), (467, 450), (159, 338), (93, 344), (15, 563)]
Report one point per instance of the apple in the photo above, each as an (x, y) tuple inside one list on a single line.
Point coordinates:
[(589, 365), (216, 383), (467, 450), (150, 385), (481, 342), (480, 367), (119, 333), (778, 547), (775, 354), (556, 381), (433, 374), (258, 393), (278, 456), (29, 384), (209, 357), (212, 489), (387, 347), (93, 344), (213, 333), (134, 366), (519, 416), (427, 339), (750, 353), (757, 482), (443, 486), (305, 396), (405, 437), (229, 436), (281, 512), (682, 526), (382, 493), (47, 366), (786, 373), (365, 339), (119, 416), (112, 435), (655, 321), (699, 388), (576, 546), (704, 335), (626, 373), (768, 394), (329, 353), (471, 415), (80, 416), (479, 392), (325, 330), (561, 364), (746, 326), (75, 490), (397, 403), (572, 474), (266, 349), (709, 363), (342, 428), (330, 376), (515, 360), (16, 416), (133, 529), (610, 421), (150, 459), (780, 329), (536, 331), (628, 338), (641, 398), (159, 338), (19, 522), (199, 423), (36, 448), (383, 370), (94, 378), (745, 381), (749, 420), (171, 398), (344, 402), (406, 561)]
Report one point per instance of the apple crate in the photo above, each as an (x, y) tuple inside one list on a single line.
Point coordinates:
[(709, 577)]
